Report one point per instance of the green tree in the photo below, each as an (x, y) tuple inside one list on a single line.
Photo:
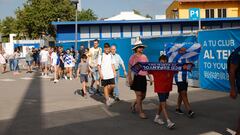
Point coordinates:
[(8, 26), (36, 16), (86, 15)]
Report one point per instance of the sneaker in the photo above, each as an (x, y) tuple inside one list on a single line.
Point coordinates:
[(70, 79), (179, 111), (42, 74), (85, 95), (191, 114), (98, 93), (109, 102), (55, 81), (90, 91), (170, 124), (65, 77), (158, 121)]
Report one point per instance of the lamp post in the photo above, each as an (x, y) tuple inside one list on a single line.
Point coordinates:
[(76, 5)]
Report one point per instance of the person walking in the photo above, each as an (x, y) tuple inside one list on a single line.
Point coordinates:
[(118, 62), (69, 63), (138, 82), (94, 53), (162, 86), (182, 85), (44, 57), (16, 61), (83, 72), (3, 61), (29, 59), (107, 73), (55, 63), (234, 77)]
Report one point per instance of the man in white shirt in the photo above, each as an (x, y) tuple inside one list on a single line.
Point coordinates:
[(44, 55), (118, 62), (107, 73), (94, 53)]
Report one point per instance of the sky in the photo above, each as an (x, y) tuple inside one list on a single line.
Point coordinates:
[(102, 8)]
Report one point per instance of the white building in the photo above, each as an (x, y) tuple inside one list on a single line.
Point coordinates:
[(127, 15)]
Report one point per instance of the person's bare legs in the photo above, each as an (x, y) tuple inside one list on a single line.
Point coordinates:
[(70, 73), (182, 97), (139, 98), (164, 110), (84, 87)]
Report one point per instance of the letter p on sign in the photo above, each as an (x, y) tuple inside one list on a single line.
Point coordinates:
[(194, 13)]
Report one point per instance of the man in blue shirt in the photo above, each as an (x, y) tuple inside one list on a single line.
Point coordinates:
[(234, 76), (118, 62)]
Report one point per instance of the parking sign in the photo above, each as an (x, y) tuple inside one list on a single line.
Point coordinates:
[(194, 13)]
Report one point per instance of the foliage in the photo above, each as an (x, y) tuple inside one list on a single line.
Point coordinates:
[(36, 17), (8, 26), (87, 15)]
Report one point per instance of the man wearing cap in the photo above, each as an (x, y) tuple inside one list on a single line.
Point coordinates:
[(118, 61), (234, 77), (107, 73)]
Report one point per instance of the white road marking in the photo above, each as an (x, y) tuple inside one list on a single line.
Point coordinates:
[(7, 80)]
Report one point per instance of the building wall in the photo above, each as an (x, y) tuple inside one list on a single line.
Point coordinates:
[(231, 7), (66, 32), (169, 10)]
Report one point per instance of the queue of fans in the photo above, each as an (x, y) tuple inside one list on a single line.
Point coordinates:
[(103, 67)]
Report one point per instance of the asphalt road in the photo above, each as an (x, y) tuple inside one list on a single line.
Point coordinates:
[(31, 105)]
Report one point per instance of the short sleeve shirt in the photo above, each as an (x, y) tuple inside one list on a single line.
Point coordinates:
[(118, 61), (162, 80), (94, 54), (83, 66), (106, 61), (135, 59), (44, 56)]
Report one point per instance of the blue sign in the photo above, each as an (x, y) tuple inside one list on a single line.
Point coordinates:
[(217, 46), (194, 13)]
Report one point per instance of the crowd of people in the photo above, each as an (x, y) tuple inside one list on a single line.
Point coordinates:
[(103, 68)]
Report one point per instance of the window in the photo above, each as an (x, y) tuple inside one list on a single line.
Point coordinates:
[(222, 13), (209, 13)]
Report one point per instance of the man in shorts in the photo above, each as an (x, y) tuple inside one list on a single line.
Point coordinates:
[(107, 73), (94, 53), (44, 56), (234, 77)]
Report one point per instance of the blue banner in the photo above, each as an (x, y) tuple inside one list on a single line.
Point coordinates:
[(217, 45), (157, 66)]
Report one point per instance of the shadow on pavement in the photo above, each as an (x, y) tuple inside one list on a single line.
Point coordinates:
[(213, 116), (28, 116)]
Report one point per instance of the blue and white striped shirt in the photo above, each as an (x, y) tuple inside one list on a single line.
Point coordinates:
[(181, 76)]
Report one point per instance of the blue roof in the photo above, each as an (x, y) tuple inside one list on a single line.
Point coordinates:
[(143, 21)]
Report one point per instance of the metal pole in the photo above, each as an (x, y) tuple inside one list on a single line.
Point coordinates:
[(76, 32), (199, 24)]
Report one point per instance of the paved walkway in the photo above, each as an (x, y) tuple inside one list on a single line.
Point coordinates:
[(31, 105)]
